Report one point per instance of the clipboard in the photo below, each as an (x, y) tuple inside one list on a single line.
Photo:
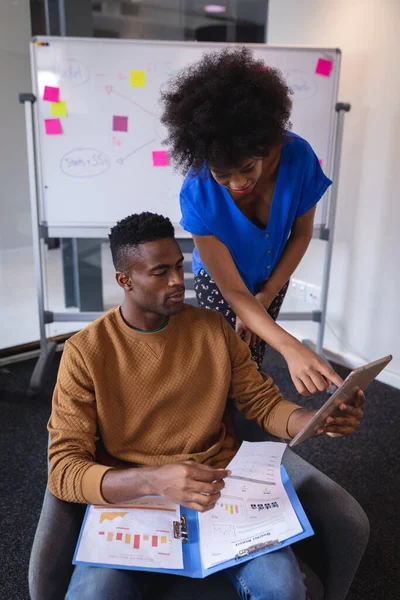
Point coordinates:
[(187, 530), (360, 378)]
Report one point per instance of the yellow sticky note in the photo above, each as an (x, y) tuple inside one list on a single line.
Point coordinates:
[(138, 78), (58, 109)]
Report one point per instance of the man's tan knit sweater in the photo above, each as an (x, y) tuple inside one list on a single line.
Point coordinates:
[(153, 398)]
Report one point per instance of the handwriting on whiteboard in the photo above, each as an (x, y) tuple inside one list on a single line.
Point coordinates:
[(302, 83), (84, 162), (71, 71)]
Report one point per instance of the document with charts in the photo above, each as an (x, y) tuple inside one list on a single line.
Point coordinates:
[(138, 535), (258, 512), (254, 507)]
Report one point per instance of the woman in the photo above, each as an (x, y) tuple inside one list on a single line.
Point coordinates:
[(249, 198)]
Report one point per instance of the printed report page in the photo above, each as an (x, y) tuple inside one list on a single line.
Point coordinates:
[(137, 535), (254, 507)]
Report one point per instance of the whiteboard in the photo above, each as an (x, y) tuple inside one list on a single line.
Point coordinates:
[(91, 175)]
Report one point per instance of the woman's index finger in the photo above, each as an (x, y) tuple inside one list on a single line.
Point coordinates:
[(331, 375)]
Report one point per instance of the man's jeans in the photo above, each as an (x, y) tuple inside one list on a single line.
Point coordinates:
[(273, 576)]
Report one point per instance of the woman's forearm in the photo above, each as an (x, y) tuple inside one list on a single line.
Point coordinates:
[(251, 310), (219, 263), (253, 314)]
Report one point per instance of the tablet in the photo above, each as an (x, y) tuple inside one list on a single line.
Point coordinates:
[(360, 378)]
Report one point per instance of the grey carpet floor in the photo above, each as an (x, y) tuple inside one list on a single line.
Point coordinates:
[(366, 464)]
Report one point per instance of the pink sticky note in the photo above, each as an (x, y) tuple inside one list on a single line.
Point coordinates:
[(120, 123), (51, 94), (160, 158), (324, 67), (53, 126)]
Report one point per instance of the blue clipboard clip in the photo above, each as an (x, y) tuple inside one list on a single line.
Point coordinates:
[(256, 548)]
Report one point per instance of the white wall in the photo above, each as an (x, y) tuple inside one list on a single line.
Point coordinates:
[(364, 307), (15, 33), (18, 304)]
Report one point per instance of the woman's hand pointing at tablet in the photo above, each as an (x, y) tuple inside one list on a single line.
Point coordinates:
[(310, 374)]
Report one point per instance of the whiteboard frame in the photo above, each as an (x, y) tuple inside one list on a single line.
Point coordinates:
[(85, 231)]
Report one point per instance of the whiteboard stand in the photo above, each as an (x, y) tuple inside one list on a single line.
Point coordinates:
[(341, 108), (328, 234), (47, 349)]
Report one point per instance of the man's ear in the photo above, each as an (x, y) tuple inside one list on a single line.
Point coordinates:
[(124, 281)]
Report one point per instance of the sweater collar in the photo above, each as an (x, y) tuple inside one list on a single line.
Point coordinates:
[(143, 336)]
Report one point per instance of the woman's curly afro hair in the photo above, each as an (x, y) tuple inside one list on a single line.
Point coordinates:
[(226, 107)]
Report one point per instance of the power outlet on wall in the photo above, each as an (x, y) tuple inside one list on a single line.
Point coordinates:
[(313, 294), (297, 289), (305, 292)]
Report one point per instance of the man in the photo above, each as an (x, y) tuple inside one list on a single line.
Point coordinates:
[(150, 381)]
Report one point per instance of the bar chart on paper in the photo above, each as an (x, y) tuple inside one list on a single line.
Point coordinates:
[(229, 508), (135, 539), (142, 535)]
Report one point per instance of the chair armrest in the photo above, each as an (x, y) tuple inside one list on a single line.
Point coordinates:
[(340, 524), (50, 565)]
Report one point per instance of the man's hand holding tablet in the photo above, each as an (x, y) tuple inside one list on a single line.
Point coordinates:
[(342, 412), (344, 421)]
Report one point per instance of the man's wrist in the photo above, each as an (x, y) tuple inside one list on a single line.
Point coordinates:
[(298, 419), (128, 484), (151, 481), (148, 480)]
